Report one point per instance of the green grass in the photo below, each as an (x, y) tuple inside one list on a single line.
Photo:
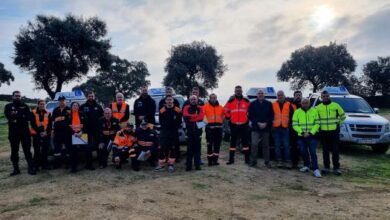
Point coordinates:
[(34, 201)]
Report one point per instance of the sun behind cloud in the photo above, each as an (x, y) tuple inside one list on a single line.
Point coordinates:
[(322, 18)]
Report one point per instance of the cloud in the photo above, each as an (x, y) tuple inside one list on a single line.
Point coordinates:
[(253, 36)]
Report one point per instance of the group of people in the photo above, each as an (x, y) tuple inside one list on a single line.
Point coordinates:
[(294, 127)]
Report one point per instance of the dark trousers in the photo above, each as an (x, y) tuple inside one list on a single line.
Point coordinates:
[(167, 151), (103, 153), (74, 155), (193, 148), (15, 138), (135, 163), (93, 140), (330, 144), (239, 132), (41, 150), (294, 150), (214, 139), (62, 147)]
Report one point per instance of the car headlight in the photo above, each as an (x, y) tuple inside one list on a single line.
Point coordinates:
[(387, 127)]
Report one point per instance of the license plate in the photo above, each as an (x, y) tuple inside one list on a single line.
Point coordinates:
[(367, 141)]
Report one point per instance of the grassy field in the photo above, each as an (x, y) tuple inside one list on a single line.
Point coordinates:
[(224, 192)]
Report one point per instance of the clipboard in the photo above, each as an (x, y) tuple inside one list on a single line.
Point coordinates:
[(83, 140), (201, 124)]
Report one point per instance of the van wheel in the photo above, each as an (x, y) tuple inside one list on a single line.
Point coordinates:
[(380, 148)]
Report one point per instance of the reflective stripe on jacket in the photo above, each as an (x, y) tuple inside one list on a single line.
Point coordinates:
[(118, 113), (306, 121), (330, 116), (214, 114), (237, 110)]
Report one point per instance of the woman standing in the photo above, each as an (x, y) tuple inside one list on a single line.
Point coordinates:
[(76, 124), (40, 130)]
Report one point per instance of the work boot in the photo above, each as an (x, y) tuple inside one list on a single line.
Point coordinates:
[(231, 158), (16, 170), (198, 168), (215, 161), (171, 168), (325, 171), (337, 172), (210, 162), (280, 164), (31, 170), (246, 158)]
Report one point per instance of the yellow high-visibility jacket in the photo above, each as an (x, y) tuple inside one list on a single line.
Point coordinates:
[(330, 116), (305, 121)]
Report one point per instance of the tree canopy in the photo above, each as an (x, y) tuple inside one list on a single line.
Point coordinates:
[(194, 64), (329, 65), (121, 76), (56, 51), (5, 75), (376, 76)]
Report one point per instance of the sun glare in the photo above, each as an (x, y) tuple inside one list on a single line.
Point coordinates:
[(322, 18)]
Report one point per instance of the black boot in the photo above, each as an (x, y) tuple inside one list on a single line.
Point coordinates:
[(231, 158), (16, 170), (31, 170), (210, 162), (246, 158), (215, 161)]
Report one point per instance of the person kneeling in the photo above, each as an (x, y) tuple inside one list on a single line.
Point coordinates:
[(123, 146), (147, 143)]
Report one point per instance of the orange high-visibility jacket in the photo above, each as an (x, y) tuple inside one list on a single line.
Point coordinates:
[(281, 116), (118, 113), (124, 140), (237, 110), (214, 113), (40, 123)]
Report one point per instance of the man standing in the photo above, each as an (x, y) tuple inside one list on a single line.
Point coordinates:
[(236, 110), (170, 120), (261, 116), (41, 125), (305, 123), (18, 115), (169, 92), (214, 114), (331, 116), (120, 109), (293, 135), (195, 91), (62, 133), (92, 111), (144, 108), (192, 114), (283, 112)]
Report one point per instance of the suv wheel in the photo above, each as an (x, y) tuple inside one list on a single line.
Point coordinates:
[(380, 148)]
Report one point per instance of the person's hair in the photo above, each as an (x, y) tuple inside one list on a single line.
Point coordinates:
[(324, 92), (280, 91), (297, 91), (107, 109), (39, 101), (71, 104), (305, 100), (119, 94), (90, 92), (168, 96), (212, 94), (238, 87), (168, 87), (14, 92), (195, 88)]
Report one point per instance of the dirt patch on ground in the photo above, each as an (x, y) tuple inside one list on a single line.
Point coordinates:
[(223, 192)]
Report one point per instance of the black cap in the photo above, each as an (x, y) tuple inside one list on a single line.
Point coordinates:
[(61, 98), (144, 122)]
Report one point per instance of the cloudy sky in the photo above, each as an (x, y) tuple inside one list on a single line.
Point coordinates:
[(254, 36)]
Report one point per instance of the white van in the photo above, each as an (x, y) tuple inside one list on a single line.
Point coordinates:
[(363, 125), (74, 96)]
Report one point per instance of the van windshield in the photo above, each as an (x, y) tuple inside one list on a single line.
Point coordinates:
[(354, 105)]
